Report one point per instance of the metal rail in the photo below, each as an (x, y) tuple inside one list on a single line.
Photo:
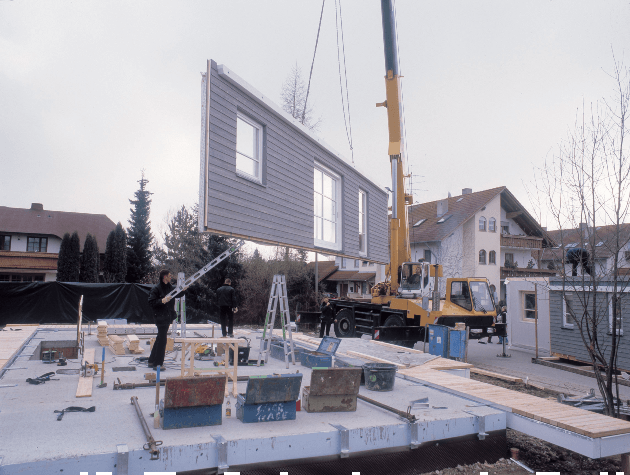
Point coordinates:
[(407, 415)]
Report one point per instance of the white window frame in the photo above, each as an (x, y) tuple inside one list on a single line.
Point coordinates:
[(524, 309), (483, 220), (337, 245), (565, 315), (258, 147), (485, 257), (363, 230), (492, 225), (610, 316), (492, 254)]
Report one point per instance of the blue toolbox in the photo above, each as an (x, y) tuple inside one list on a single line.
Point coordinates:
[(322, 358), (192, 402), (269, 398), (277, 351)]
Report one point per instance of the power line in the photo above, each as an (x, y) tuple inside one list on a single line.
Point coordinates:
[(313, 62), (348, 124)]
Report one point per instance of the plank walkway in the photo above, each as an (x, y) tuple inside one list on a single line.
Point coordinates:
[(12, 337), (577, 420)]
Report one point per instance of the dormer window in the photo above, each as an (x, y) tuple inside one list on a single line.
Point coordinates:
[(419, 222)]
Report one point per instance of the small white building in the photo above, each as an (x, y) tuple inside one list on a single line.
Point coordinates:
[(527, 296)]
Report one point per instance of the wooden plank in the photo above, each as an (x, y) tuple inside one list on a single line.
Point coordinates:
[(84, 389), (504, 377), (373, 358)]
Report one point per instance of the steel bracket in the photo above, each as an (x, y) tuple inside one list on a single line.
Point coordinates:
[(222, 464), (481, 425), (415, 439), (122, 460), (344, 438)]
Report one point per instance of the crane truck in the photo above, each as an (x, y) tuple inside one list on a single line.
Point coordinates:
[(399, 308)]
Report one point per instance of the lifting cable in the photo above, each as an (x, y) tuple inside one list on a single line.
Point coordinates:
[(348, 125), (308, 88)]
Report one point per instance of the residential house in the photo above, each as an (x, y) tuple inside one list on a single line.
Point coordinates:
[(602, 242), (354, 278), (30, 240), (483, 234)]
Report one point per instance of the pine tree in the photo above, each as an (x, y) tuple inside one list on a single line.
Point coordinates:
[(68, 262), (140, 238), (89, 260), (116, 255)]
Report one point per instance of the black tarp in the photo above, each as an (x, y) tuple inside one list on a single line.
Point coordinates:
[(57, 302)]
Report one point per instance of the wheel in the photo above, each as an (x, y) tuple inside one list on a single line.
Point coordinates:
[(397, 321), (344, 326)]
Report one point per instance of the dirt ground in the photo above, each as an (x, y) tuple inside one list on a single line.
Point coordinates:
[(536, 454)]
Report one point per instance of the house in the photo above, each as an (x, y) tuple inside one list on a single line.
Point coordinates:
[(30, 240), (601, 243), (483, 234)]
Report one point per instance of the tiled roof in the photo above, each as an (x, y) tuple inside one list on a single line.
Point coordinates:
[(56, 223), (460, 209), (604, 238), (324, 268), (352, 275), (28, 260)]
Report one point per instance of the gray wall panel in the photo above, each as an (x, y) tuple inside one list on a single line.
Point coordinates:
[(280, 210)]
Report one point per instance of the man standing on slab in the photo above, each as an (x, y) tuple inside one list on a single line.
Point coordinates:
[(163, 315), (226, 300)]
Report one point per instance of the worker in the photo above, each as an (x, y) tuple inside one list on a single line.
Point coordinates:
[(328, 315), (502, 318), (163, 315), (226, 300)]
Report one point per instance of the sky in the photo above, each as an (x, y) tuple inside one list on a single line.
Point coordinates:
[(92, 93)]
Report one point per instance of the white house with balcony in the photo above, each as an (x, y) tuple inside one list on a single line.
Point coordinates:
[(483, 234)]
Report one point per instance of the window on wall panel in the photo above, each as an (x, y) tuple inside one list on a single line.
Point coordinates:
[(492, 257), (614, 312), (248, 148), (529, 305), (5, 242), (482, 257), (362, 222), (567, 307), (326, 208), (36, 244), (482, 224), (492, 225)]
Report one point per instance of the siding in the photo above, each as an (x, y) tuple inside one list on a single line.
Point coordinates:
[(280, 209), (569, 342)]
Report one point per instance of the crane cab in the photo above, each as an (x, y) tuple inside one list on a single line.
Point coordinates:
[(414, 280)]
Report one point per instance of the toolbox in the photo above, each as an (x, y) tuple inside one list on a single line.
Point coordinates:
[(269, 398), (277, 351), (192, 402), (322, 358), (332, 390), (348, 362)]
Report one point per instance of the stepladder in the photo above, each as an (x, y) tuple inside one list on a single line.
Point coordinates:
[(278, 303)]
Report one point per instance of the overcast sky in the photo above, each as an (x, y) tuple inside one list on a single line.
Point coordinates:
[(93, 92)]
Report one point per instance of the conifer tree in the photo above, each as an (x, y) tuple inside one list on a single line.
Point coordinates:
[(89, 260), (68, 262), (140, 238), (116, 255)]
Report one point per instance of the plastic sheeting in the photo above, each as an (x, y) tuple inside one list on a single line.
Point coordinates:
[(57, 302)]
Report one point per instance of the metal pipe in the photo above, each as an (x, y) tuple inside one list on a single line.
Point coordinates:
[(407, 415), (152, 444)]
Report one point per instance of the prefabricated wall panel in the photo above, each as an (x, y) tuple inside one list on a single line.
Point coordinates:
[(280, 209)]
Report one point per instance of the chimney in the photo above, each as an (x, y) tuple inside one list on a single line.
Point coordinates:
[(442, 207), (466, 191), (37, 207), (584, 230)]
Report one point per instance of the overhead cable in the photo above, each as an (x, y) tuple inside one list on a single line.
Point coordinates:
[(308, 88), (346, 104)]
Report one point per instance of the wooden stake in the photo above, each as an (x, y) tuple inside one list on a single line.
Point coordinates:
[(536, 316)]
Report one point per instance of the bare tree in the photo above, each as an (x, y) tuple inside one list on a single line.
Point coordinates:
[(294, 99), (586, 187)]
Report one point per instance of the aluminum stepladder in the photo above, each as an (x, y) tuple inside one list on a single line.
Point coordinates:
[(277, 298)]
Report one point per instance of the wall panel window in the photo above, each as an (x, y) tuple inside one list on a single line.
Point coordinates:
[(615, 301), (249, 148), (482, 224), (37, 244), (326, 207), (567, 318), (5, 242), (529, 305), (362, 223)]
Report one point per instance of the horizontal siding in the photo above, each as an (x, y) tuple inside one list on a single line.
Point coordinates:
[(281, 208), (569, 341)]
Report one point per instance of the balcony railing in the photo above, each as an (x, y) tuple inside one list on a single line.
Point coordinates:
[(525, 272), (521, 242)]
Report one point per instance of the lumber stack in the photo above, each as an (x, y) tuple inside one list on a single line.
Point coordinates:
[(116, 344), (102, 334), (133, 343)]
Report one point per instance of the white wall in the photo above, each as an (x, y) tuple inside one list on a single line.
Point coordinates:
[(488, 241), (20, 241), (521, 331)]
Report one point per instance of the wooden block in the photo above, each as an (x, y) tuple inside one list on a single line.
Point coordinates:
[(496, 375), (84, 389)]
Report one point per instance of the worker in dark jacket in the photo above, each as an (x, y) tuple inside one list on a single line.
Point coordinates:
[(226, 300), (163, 315), (328, 316)]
